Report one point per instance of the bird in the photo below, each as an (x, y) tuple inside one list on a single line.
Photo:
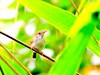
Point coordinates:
[(38, 41)]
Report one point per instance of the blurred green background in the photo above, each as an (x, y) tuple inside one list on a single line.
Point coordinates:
[(19, 22)]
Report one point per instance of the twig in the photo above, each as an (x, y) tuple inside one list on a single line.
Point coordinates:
[(34, 49), (17, 6), (74, 6), (95, 39), (1, 70), (16, 59), (9, 65)]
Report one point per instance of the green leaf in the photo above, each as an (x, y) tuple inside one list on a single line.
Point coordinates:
[(70, 58), (93, 44), (6, 69), (64, 3), (94, 47), (59, 18), (15, 65), (85, 16), (26, 16), (96, 33), (82, 4)]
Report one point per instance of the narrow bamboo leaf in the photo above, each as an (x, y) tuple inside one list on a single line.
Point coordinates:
[(64, 3), (72, 54), (14, 64), (6, 69), (69, 61), (81, 6), (84, 17), (98, 25), (96, 33), (59, 18), (93, 44), (94, 47)]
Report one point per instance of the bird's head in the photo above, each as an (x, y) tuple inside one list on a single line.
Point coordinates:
[(40, 34)]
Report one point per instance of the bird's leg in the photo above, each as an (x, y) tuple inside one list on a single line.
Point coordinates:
[(34, 53)]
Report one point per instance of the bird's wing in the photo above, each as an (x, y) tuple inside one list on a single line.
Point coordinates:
[(31, 42)]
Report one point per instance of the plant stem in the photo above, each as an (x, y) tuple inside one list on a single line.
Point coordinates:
[(95, 39), (15, 59), (1, 70), (74, 6), (9, 65)]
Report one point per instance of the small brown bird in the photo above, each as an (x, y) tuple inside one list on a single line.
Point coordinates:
[(38, 41)]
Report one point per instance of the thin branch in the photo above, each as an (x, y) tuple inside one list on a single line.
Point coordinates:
[(1, 70), (95, 39), (9, 65), (34, 49), (17, 6), (74, 6), (15, 59)]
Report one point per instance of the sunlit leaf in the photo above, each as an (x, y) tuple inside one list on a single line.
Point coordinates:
[(15, 65), (69, 60), (59, 18)]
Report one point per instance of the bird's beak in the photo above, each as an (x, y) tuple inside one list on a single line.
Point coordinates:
[(44, 31)]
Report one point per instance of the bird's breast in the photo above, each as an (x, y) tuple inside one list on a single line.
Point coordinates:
[(39, 44)]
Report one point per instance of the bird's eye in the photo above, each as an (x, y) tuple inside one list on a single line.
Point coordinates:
[(39, 33)]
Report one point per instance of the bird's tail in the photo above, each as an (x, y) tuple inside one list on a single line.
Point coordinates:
[(34, 54)]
